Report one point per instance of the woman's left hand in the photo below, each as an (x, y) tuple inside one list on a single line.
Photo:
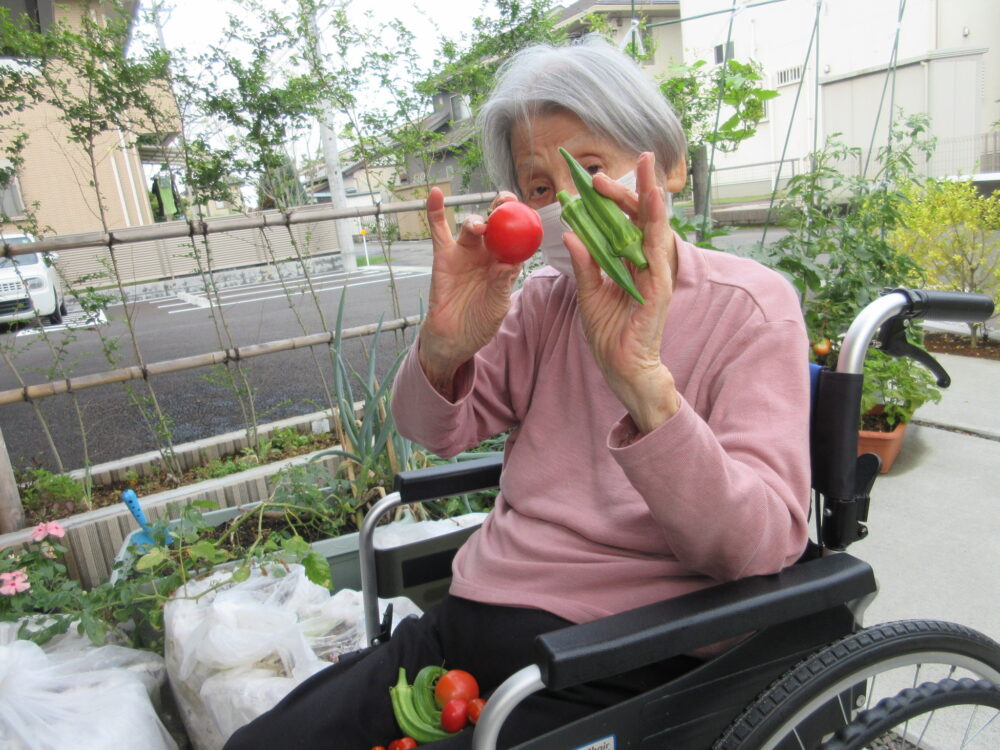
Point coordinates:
[(623, 335)]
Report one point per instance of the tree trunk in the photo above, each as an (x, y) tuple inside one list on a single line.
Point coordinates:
[(11, 511), (699, 184)]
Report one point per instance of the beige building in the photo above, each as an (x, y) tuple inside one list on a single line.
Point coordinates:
[(57, 179)]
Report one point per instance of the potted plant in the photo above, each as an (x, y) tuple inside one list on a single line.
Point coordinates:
[(894, 388)]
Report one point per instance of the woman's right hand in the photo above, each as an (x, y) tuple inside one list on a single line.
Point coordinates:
[(469, 296)]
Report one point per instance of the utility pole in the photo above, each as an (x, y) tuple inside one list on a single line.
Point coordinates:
[(334, 174)]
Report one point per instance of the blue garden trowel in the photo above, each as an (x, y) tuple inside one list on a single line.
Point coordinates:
[(142, 538)]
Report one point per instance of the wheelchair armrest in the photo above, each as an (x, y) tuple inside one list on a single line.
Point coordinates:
[(444, 480), (645, 635)]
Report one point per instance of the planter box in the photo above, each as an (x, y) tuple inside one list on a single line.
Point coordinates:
[(341, 552), (94, 538), (886, 445)]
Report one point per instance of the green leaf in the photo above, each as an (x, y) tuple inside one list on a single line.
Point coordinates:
[(317, 569), (155, 557), (241, 574)]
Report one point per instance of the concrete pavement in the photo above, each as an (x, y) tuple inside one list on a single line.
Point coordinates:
[(934, 522)]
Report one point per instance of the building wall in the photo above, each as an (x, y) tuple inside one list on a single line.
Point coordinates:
[(947, 58)]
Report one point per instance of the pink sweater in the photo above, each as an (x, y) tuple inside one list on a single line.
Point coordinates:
[(589, 521)]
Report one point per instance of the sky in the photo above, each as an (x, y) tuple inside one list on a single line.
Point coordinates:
[(193, 24)]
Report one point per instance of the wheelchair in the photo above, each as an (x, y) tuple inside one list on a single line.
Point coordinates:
[(810, 674)]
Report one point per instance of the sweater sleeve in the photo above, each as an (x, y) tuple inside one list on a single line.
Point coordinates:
[(492, 391), (730, 488)]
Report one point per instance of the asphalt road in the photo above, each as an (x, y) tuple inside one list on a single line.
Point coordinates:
[(283, 385)]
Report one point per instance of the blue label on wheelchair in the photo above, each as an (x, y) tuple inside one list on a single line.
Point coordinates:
[(605, 743)]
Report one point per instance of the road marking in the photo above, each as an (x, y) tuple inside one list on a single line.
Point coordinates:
[(332, 287), (71, 321), (193, 299)]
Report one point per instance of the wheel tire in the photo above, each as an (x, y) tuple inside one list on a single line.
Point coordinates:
[(879, 726), (809, 697), (57, 314), (62, 307)]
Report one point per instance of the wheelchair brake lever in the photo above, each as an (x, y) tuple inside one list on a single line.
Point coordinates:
[(384, 628), (892, 340)]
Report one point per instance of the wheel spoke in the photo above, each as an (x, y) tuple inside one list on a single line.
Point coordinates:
[(985, 726)]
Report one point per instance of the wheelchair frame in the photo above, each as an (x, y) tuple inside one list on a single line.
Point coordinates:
[(805, 621)]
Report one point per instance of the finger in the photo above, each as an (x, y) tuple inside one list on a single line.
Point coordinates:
[(626, 199), (653, 220), (504, 196), (585, 268), (472, 229), (437, 219)]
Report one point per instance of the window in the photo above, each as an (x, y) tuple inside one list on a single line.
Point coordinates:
[(789, 75), (729, 54)]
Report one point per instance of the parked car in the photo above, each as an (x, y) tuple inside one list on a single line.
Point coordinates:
[(29, 285)]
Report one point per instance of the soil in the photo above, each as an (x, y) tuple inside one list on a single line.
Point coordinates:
[(950, 343), (110, 494)]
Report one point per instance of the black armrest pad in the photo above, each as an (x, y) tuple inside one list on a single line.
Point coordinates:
[(649, 634), (445, 480)]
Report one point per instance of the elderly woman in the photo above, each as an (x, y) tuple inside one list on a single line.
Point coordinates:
[(654, 448)]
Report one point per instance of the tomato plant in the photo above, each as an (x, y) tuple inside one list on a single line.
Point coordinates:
[(455, 683), (822, 347), (476, 706), (455, 715), (513, 232), (404, 743)]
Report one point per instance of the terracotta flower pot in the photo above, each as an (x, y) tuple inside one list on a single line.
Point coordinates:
[(886, 445)]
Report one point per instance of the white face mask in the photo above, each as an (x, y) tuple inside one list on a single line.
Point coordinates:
[(553, 249)]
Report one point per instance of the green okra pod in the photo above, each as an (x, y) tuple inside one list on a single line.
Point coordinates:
[(624, 237), (576, 215)]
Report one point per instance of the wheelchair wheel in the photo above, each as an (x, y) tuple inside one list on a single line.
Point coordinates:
[(826, 691), (948, 713)]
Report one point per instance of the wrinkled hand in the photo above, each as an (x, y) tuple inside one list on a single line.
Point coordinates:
[(623, 335), (469, 295)]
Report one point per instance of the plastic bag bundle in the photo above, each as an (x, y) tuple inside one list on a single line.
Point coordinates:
[(236, 651), (72, 694)]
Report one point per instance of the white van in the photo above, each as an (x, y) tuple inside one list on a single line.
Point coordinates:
[(29, 285)]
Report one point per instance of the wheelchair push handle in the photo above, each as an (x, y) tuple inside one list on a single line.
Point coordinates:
[(893, 308)]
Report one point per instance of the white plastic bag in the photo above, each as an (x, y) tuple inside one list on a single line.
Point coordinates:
[(72, 694), (233, 653)]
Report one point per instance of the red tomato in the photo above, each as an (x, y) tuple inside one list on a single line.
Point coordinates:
[(455, 715), (513, 232), (378, 747), (822, 347), (456, 683), (405, 743), (476, 706)]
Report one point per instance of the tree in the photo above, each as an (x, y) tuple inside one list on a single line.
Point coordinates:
[(698, 95), (469, 68), (953, 231)]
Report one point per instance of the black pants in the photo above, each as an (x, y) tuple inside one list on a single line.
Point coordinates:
[(346, 706)]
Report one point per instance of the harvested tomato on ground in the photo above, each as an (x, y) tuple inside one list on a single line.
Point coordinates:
[(513, 232), (404, 743), (455, 683), (476, 706), (455, 715)]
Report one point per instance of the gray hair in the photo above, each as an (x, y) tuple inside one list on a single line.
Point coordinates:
[(595, 81)]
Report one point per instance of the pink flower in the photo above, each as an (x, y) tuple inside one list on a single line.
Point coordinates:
[(50, 528), (14, 582)]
